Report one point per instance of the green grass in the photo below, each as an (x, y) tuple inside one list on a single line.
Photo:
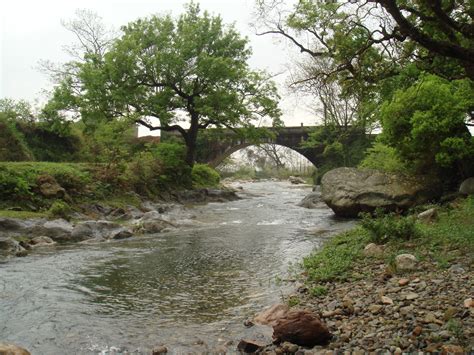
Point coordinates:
[(22, 214), (335, 259), (442, 242)]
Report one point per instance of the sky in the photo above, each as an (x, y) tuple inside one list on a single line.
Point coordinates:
[(31, 30)]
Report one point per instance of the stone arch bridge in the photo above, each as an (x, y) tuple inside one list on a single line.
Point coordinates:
[(215, 145)]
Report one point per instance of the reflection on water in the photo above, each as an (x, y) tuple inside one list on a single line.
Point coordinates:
[(174, 288)]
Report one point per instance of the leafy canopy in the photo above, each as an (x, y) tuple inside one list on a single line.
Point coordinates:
[(190, 72)]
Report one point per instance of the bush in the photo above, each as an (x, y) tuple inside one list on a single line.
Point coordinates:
[(60, 209), (204, 176), (143, 174), (13, 185), (386, 227), (426, 125), (12, 142), (382, 157), (175, 171)]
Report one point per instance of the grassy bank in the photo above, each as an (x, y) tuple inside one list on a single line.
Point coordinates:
[(442, 241), (38, 189)]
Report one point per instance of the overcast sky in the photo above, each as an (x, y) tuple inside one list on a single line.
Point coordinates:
[(31, 31)]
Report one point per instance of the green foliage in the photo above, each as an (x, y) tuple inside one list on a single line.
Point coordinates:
[(426, 125), (318, 291), (13, 184), (337, 146), (12, 142), (60, 209), (382, 157), (386, 227), (175, 170), (18, 180), (166, 67), (454, 230), (293, 301), (204, 176), (334, 260)]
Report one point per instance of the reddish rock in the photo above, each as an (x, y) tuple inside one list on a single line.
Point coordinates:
[(417, 331), (301, 327), (272, 315), (403, 282)]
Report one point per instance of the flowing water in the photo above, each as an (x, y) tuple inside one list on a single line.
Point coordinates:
[(190, 289)]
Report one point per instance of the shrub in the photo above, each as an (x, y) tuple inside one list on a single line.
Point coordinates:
[(175, 172), (13, 184), (143, 174), (386, 227), (318, 291), (204, 176), (382, 157), (60, 209)]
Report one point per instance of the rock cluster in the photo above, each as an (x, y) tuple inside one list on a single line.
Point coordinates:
[(425, 310)]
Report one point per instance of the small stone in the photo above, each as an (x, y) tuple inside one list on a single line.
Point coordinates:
[(375, 308), (417, 331), (428, 215), (249, 346), (449, 313), (411, 296), (403, 282), (444, 334), (457, 269), (332, 305), (406, 262), (159, 350), (469, 303), (387, 300), (289, 347), (431, 318), (373, 250), (451, 349), (406, 310)]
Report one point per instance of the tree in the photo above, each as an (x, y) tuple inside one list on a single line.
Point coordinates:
[(191, 71), (425, 124)]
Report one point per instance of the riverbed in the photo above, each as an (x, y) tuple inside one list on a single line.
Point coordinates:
[(189, 289)]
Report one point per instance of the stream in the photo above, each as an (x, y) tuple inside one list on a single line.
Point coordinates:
[(190, 289)]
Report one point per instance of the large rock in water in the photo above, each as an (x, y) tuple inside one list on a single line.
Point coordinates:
[(349, 191)]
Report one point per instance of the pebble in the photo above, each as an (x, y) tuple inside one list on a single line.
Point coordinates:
[(403, 282)]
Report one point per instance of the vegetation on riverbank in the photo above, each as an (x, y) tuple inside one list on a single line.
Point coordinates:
[(37, 189), (440, 241)]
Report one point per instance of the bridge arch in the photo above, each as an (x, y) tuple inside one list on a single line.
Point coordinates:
[(231, 149)]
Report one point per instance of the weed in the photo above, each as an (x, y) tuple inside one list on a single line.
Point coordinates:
[(318, 291)]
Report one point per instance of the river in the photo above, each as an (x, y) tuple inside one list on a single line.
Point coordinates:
[(190, 289)]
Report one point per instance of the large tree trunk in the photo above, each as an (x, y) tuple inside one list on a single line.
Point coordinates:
[(191, 140)]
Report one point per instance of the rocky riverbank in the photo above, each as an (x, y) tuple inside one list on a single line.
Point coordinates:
[(404, 296), (99, 222)]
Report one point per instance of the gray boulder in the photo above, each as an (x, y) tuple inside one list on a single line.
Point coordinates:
[(349, 191), (9, 246), (41, 241), (59, 230), (99, 230), (467, 187), (313, 200), (11, 225)]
